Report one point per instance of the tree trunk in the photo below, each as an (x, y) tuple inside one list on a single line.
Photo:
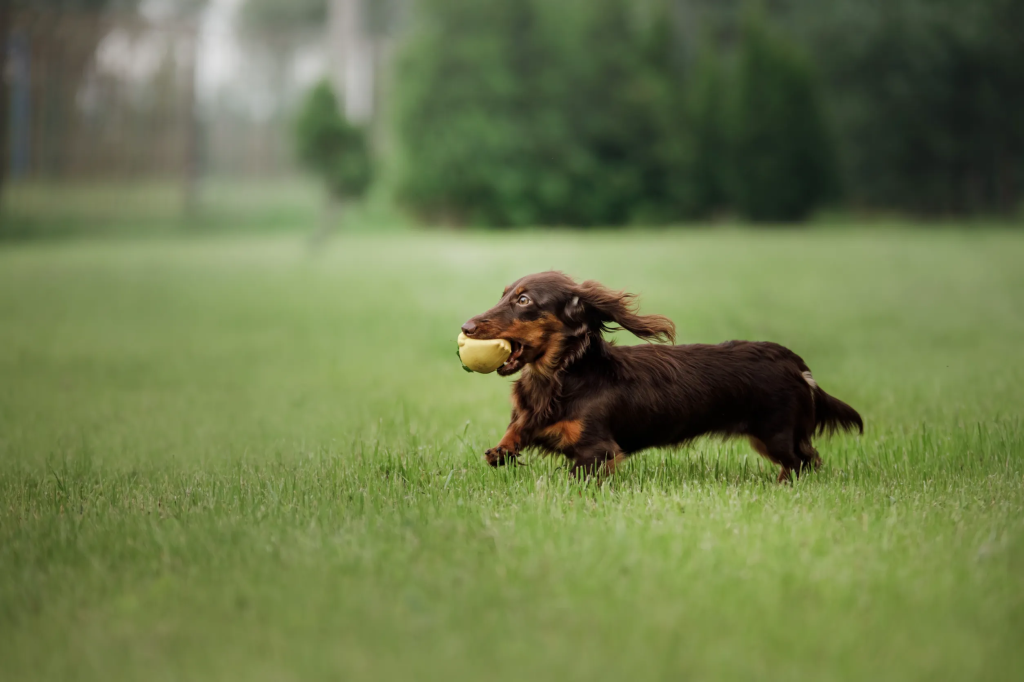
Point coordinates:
[(190, 132), (330, 219), (351, 53), (5, 150)]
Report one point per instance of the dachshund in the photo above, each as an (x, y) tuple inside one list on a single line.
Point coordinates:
[(596, 403)]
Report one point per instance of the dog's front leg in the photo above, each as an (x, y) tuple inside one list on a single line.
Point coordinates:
[(507, 450)]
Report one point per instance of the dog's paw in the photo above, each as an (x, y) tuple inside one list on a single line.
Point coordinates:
[(499, 457)]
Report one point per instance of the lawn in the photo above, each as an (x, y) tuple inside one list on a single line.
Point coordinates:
[(41, 210), (234, 458)]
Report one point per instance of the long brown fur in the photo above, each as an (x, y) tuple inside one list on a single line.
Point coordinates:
[(597, 403)]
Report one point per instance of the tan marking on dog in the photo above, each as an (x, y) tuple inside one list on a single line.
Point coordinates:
[(533, 334), (810, 380), (564, 433), (545, 336), (512, 438), (548, 363)]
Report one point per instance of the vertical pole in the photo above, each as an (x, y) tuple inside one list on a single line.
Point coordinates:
[(20, 125), (190, 133), (337, 11), (5, 59), (352, 59)]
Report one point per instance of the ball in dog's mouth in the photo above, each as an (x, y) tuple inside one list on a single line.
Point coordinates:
[(484, 355)]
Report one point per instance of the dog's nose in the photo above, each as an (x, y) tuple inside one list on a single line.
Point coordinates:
[(469, 328)]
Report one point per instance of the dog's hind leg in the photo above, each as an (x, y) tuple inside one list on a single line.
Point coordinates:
[(803, 429), (600, 457), (778, 448), (809, 457)]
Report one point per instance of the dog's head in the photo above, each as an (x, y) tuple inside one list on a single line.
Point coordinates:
[(548, 317)]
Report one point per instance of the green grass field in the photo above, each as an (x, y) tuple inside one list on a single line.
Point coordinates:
[(236, 459), (48, 211)]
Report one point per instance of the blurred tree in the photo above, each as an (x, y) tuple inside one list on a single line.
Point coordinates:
[(783, 161), (928, 97), (294, 16), (617, 96), (331, 147), (274, 32), (283, 17), (707, 155), (522, 111), (5, 148), (517, 112), (458, 99), (667, 145)]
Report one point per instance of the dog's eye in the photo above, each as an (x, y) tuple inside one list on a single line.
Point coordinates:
[(523, 300)]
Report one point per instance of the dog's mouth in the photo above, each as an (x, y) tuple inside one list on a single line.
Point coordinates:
[(515, 360)]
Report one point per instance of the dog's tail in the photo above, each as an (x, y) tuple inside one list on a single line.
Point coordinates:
[(832, 414)]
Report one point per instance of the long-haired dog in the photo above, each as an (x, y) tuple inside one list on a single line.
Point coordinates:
[(597, 403)]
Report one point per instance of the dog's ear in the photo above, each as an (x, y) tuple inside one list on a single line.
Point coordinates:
[(593, 306), (575, 316)]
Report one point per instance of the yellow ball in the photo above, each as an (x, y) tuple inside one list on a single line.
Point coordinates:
[(483, 355)]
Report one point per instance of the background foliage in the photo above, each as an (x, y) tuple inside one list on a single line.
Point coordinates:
[(928, 98), (522, 112), (552, 113), (330, 146)]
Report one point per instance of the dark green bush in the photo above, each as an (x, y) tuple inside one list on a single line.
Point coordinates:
[(518, 112), (705, 166), (783, 161), (331, 147), (928, 97), (460, 109)]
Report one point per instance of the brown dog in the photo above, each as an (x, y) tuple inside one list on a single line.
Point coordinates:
[(597, 403)]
